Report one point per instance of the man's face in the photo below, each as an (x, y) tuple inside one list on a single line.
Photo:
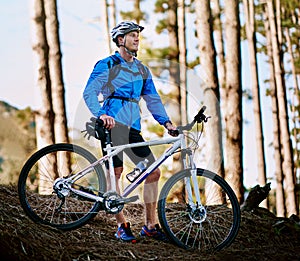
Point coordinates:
[(132, 41)]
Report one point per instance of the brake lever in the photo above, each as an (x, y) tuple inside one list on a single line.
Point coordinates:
[(206, 118)]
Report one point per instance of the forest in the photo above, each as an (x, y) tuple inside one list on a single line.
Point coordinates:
[(270, 28), (198, 53)]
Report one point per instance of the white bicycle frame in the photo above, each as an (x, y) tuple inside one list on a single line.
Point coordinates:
[(114, 150), (178, 142)]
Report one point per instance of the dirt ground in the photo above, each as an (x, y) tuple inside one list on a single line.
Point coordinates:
[(262, 236)]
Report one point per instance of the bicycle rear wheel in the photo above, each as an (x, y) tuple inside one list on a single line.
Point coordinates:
[(209, 226), (38, 198)]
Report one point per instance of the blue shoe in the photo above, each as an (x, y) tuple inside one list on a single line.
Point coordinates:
[(124, 233), (155, 233)]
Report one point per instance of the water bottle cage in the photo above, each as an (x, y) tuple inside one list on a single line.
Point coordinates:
[(132, 176)]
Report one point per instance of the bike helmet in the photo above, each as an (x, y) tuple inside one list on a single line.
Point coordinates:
[(124, 28)]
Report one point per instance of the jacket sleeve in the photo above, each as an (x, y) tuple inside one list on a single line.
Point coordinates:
[(153, 100), (94, 86)]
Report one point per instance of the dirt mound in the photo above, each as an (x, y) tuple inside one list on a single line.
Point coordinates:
[(262, 236)]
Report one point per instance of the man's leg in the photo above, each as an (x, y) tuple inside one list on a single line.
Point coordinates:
[(118, 172), (150, 198)]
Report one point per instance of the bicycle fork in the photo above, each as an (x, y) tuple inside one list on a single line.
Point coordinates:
[(197, 211)]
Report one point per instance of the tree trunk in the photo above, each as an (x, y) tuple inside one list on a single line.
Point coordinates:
[(284, 128), (218, 39), (106, 24), (57, 85), (182, 60), (41, 49), (280, 200), (250, 32), (233, 117), (211, 92), (56, 75), (255, 197), (295, 95), (174, 71), (113, 15), (44, 118)]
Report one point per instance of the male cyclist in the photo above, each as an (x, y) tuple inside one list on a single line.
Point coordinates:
[(122, 80)]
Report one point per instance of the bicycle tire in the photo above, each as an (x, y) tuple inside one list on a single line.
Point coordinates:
[(35, 187), (209, 229)]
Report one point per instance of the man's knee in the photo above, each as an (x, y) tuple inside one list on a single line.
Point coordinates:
[(154, 176), (118, 172)]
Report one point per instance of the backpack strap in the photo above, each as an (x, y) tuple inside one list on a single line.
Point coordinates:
[(114, 70), (143, 72)]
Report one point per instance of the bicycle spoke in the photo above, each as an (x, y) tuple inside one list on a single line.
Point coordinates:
[(57, 206), (208, 226)]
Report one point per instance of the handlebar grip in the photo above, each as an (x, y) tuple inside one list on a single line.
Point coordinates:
[(199, 116), (173, 133), (98, 121)]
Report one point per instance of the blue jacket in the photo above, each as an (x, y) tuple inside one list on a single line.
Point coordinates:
[(128, 84)]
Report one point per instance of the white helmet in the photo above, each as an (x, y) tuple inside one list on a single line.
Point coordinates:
[(124, 28)]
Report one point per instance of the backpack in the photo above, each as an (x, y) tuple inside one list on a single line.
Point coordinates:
[(114, 70)]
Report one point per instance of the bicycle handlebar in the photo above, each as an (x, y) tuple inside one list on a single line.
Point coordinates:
[(200, 117)]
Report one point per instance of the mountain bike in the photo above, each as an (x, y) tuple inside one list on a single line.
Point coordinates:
[(64, 186)]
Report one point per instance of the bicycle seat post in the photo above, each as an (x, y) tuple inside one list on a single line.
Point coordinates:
[(108, 145)]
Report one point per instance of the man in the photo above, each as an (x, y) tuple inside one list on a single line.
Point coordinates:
[(122, 80)]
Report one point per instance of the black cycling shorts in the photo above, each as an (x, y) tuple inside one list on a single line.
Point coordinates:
[(121, 135)]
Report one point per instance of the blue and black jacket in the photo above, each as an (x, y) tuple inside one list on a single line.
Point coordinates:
[(129, 85)]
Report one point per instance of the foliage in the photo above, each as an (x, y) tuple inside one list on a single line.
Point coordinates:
[(136, 14)]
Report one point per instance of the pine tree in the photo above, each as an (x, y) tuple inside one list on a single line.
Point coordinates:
[(211, 88), (251, 37), (44, 117), (233, 117), (282, 106)]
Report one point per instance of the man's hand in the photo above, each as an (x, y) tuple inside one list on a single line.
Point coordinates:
[(172, 130), (109, 122)]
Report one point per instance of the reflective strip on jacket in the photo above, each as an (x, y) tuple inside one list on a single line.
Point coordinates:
[(127, 84)]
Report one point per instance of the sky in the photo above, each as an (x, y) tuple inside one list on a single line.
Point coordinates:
[(82, 44)]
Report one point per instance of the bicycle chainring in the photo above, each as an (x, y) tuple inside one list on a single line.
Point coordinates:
[(111, 204)]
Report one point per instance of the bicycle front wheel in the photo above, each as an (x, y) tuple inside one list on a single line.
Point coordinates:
[(36, 186), (209, 225)]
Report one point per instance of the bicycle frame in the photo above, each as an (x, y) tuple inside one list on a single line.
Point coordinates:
[(178, 142)]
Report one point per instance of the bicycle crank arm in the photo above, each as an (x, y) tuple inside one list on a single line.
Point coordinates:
[(127, 200)]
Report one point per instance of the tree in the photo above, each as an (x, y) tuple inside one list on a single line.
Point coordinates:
[(105, 8), (136, 14), (171, 53), (291, 31), (211, 89), (56, 74), (282, 106), (57, 84), (280, 199), (182, 60), (170, 23), (233, 117), (45, 115), (251, 37), (113, 15), (219, 43)]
